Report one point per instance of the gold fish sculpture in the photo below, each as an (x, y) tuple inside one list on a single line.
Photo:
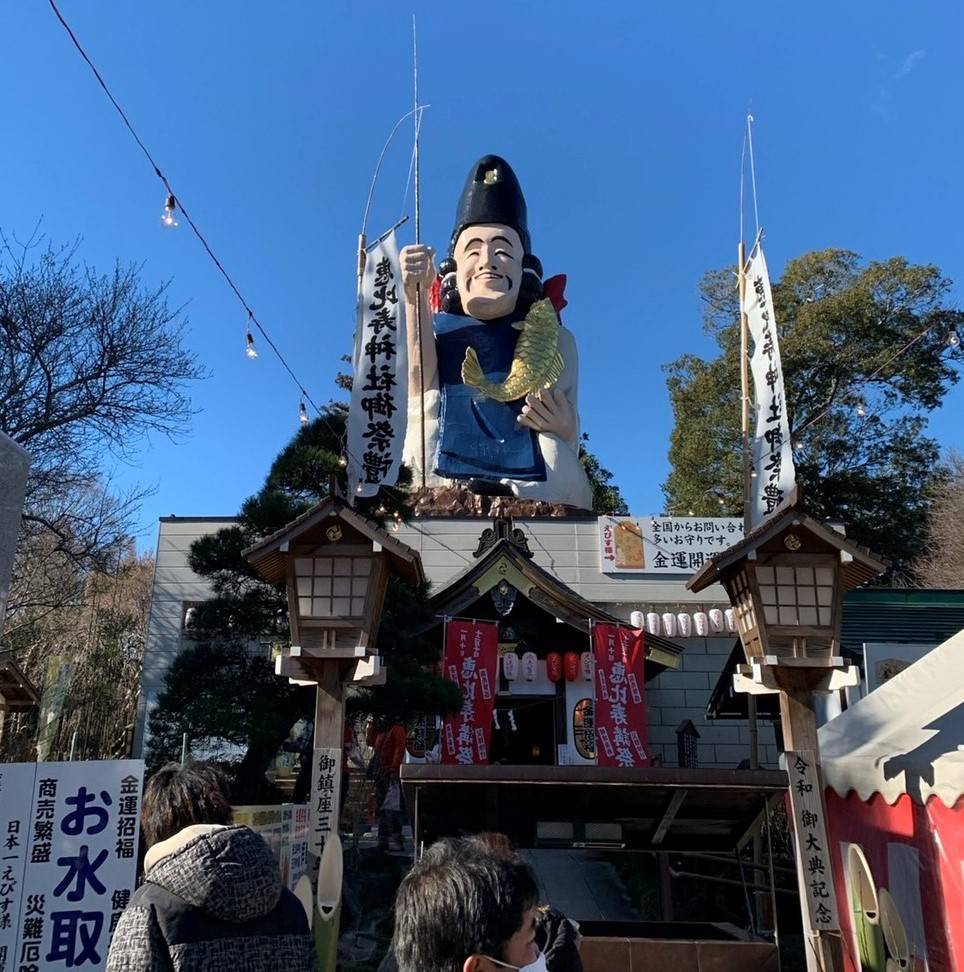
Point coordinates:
[(536, 364)]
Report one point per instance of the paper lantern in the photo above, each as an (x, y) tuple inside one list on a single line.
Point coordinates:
[(730, 620), (669, 624), (701, 623), (510, 666), (554, 666), (571, 665), (717, 620), (685, 623), (588, 665), (652, 623), (637, 620), (530, 665)]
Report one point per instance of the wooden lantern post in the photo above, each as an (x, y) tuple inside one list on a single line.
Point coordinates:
[(336, 564), (786, 581)]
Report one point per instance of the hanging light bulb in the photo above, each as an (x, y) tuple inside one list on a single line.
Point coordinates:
[(167, 217), (302, 413), (752, 474), (954, 339), (689, 513), (861, 408), (359, 489), (342, 461), (721, 501), (381, 511), (249, 349)]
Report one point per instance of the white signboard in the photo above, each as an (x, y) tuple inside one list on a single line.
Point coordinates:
[(884, 660), (294, 845), (325, 794), (810, 835), (663, 544), (771, 454), (16, 797), (79, 823), (379, 394)]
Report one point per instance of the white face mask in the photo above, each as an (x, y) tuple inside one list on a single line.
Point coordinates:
[(539, 965)]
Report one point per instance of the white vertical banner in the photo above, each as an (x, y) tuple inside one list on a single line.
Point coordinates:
[(81, 861), (379, 395), (770, 451)]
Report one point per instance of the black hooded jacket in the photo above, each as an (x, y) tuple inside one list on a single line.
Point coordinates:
[(212, 899)]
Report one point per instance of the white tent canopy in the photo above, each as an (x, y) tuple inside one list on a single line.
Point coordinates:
[(906, 736)]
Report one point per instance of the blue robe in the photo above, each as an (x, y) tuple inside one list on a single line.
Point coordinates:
[(480, 438)]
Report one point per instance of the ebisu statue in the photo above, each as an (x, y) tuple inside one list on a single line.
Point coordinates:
[(501, 372)]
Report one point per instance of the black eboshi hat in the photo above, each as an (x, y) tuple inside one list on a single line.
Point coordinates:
[(492, 194)]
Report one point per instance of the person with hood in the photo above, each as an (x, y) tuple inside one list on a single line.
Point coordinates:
[(212, 896)]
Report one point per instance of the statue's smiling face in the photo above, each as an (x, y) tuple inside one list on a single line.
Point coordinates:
[(488, 258)]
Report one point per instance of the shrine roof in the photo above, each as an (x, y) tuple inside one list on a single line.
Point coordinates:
[(507, 557), (16, 692)]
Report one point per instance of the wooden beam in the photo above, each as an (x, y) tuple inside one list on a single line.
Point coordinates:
[(824, 949), (669, 816)]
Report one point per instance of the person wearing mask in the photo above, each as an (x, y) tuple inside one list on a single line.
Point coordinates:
[(464, 908), (212, 896)]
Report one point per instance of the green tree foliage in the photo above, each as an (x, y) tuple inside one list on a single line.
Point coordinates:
[(857, 408), (606, 497), (225, 694)]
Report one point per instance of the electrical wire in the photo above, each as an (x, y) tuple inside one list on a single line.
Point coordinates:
[(252, 318)]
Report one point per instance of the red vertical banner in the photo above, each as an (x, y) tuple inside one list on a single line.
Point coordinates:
[(620, 707), (471, 661)]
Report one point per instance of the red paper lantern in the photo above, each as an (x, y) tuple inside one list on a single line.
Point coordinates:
[(571, 663), (554, 666)]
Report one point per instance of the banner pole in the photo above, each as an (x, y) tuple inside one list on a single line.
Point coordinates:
[(418, 239)]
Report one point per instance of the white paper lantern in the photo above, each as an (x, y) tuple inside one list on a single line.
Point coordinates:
[(588, 664), (669, 624), (652, 623), (530, 666), (685, 623), (730, 620), (716, 620), (701, 623), (637, 620), (510, 666)]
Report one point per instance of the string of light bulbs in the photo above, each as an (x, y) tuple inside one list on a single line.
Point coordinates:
[(172, 205)]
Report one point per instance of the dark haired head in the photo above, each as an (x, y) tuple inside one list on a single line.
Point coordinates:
[(460, 900), (177, 796)]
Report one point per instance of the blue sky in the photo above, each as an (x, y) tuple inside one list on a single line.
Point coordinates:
[(624, 123)]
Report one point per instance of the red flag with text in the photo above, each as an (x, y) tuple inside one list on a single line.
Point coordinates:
[(620, 708), (471, 661)]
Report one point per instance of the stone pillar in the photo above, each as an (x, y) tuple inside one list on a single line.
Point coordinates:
[(14, 464)]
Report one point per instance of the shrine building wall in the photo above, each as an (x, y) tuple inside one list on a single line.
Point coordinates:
[(174, 590)]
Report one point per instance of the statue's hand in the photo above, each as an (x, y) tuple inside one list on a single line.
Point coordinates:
[(550, 412), (418, 267)]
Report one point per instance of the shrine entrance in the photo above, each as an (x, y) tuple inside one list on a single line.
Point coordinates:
[(527, 730)]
